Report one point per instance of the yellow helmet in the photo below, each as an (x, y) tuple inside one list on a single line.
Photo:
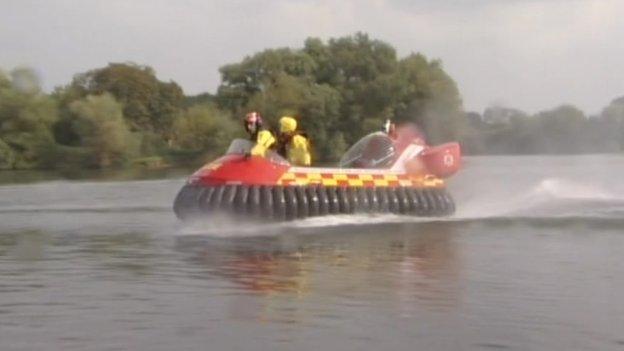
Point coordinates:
[(287, 124)]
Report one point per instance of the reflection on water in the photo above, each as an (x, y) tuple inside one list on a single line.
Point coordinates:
[(404, 265), (447, 285)]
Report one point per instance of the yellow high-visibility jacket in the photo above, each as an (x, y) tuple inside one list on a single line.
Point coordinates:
[(298, 151), (264, 141)]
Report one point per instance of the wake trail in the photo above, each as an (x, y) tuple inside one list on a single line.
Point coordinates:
[(550, 197)]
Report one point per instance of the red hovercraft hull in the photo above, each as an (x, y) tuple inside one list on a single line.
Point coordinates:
[(408, 180)]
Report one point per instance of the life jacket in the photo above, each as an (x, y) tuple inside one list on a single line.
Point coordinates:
[(295, 148), (264, 140)]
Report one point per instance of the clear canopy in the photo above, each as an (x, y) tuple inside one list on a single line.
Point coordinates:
[(375, 150)]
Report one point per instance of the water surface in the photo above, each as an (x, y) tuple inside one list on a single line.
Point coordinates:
[(531, 261)]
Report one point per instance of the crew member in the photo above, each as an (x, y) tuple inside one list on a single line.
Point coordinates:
[(389, 129), (262, 137), (293, 145)]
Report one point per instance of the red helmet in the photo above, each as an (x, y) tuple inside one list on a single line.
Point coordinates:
[(253, 122)]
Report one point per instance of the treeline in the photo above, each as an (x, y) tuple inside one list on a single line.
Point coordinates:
[(340, 90), (121, 114), (562, 130), (106, 117)]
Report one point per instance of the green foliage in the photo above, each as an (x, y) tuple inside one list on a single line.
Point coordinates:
[(241, 81), (335, 148), (5, 83), (7, 156), (503, 131), (316, 106), (363, 71), (562, 130), (204, 129), (563, 127), (348, 85), (150, 143), (199, 99), (339, 90), (430, 98), (25, 80), (613, 123), (67, 157), (148, 103), (99, 123), (26, 117)]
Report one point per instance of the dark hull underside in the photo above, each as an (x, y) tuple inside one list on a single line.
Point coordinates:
[(293, 202)]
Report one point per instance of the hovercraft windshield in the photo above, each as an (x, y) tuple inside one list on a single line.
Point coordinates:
[(375, 150)]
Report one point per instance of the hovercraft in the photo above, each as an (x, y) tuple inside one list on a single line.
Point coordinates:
[(381, 173)]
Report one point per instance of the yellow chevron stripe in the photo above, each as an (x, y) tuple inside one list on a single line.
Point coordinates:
[(316, 178), (356, 182), (380, 182), (330, 182)]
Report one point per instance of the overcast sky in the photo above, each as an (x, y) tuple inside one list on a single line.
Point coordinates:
[(528, 54)]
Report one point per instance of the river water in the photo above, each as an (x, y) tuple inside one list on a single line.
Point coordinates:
[(531, 261)]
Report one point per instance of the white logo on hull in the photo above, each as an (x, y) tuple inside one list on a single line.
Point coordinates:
[(449, 160)]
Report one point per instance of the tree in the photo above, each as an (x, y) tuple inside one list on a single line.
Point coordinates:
[(26, 116), (612, 123), (430, 98), (5, 82), (99, 123), (204, 129), (316, 107), (148, 103), (241, 81), (344, 89), (199, 99), (7, 156), (563, 129), (25, 80)]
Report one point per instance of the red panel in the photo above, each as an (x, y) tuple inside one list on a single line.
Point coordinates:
[(342, 182), (253, 170), (442, 160)]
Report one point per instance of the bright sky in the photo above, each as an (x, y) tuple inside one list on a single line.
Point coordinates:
[(527, 54)]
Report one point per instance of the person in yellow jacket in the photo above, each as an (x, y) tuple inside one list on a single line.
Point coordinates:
[(262, 137), (293, 145)]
